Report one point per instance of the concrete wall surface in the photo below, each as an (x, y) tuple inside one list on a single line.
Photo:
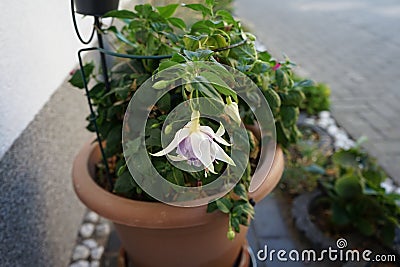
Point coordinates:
[(39, 212), (37, 49)]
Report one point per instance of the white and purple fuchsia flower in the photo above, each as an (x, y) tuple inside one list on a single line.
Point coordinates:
[(196, 145)]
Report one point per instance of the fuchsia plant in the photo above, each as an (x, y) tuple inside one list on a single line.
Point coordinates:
[(217, 38)]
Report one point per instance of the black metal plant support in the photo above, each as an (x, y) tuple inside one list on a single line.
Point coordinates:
[(103, 52), (96, 27)]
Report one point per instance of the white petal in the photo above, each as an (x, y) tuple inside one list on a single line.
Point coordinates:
[(179, 136), (202, 149), (233, 111), (177, 158), (221, 130), (210, 132), (221, 155)]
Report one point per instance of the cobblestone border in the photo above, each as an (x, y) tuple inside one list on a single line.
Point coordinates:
[(91, 241)]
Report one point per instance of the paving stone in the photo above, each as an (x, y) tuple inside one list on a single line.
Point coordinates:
[(81, 263), (252, 238), (92, 217), (103, 229), (90, 243), (350, 46), (95, 264), (97, 253), (376, 120), (392, 133), (268, 221), (113, 243), (356, 126), (87, 230), (80, 253)]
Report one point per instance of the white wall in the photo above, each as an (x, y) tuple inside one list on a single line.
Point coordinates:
[(37, 51)]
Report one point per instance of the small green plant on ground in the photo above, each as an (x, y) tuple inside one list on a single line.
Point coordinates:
[(304, 166), (356, 198), (317, 96)]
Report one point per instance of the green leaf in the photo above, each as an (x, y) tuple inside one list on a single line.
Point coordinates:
[(76, 79), (165, 102), (168, 10), (210, 3), (113, 139), (240, 191), (192, 42), (97, 91), (289, 115), (348, 187), (219, 84), (166, 64), (121, 92), (305, 83), (154, 138), (226, 16), (346, 158), (120, 14), (314, 168), (161, 84), (125, 185), (160, 27), (260, 67), (282, 134), (374, 177), (201, 84), (144, 10), (273, 100), (212, 206), (388, 233), (199, 7), (177, 22), (235, 223), (224, 205), (339, 214), (365, 227), (178, 58), (121, 170), (282, 79), (198, 55), (292, 98), (178, 177), (121, 37), (132, 147), (201, 27), (220, 42), (264, 56)]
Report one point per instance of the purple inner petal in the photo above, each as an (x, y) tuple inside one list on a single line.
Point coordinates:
[(185, 149)]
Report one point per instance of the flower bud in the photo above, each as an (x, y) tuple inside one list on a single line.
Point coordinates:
[(232, 109), (231, 234)]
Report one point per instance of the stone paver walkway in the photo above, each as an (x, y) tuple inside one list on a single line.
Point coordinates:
[(354, 46)]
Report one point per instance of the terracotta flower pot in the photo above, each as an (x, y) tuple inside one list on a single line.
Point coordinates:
[(155, 234)]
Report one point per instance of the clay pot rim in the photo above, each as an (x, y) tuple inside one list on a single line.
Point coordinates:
[(155, 215)]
